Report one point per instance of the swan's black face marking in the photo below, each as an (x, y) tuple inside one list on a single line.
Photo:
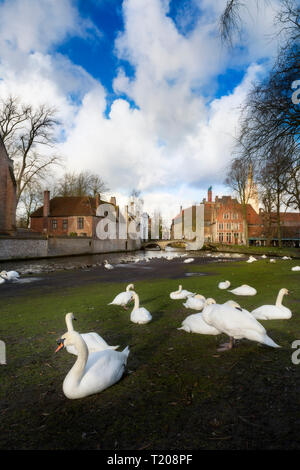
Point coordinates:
[(60, 343), (238, 308)]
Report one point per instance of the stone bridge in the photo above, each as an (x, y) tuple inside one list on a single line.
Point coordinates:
[(195, 244)]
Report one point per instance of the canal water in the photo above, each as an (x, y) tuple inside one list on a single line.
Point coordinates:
[(27, 267)]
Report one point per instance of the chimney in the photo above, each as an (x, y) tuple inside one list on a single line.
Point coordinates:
[(46, 208), (113, 200), (97, 200), (209, 194)]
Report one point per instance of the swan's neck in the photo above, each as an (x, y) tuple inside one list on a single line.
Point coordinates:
[(74, 376), (179, 290), (279, 299), (69, 323), (136, 301), (129, 287)]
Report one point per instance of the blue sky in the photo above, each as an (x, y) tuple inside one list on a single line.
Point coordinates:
[(147, 94)]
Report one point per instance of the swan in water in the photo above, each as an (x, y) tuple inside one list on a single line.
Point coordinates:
[(196, 302), (189, 260), (124, 297), (244, 290), (107, 265), (296, 268), (224, 285), (93, 341), (10, 275), (195, 324), (181, 294), (263, 256), (94, 372), (139, 314), (286, 257), (273, 312), (237, 323)]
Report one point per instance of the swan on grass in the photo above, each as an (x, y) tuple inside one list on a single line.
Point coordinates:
[(9, 275), (107, 265), (2, 281), (139, 314), (296, 268), (181, 293), (273, 312), (237, 323), (224, 285), (124, 298), (93, 341), (195, 324), (251, 259), (92, 373), (244, 290), (196, 302)]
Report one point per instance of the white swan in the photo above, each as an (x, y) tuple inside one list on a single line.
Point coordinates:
[(181, 294), (237, 323), (93, 341), (189, 260), (224, 285), (263, 256), (196, 302), (195, 324), (272, 312), (10, 275), (251, 259), (2, 281), (286, 257), (296, 268), (272, 260), (91, 373), (244, 290), (124, 297), (139, 314), (107, 265)]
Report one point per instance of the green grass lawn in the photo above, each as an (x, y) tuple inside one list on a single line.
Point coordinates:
[(257, 250), (178, 392)]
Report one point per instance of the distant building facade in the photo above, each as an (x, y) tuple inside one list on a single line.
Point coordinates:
[(224, 223), (68, 215), (8, 189)]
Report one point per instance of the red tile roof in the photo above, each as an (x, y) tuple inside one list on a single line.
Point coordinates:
[(70, 206)]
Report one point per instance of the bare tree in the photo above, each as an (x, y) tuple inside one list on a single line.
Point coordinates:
[(84, 183), (30, 199), (239, 179), (25, 131)]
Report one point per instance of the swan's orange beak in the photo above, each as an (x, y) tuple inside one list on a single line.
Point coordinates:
[(60, 342)]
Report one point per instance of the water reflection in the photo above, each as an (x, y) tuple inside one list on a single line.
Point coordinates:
[(129, 260)]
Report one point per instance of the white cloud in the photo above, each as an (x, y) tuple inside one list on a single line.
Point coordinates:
[(177, 140)]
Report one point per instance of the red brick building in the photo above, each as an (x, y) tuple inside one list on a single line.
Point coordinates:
[(67, 215), (7, 193), (223, 223)]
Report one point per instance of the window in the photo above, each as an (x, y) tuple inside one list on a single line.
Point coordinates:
[(228, 237), (221, 237), (235, 215), (54, 224), (65, 224), (226, 215), (228, 226), (220, 226), (80, 223), (236, 236)]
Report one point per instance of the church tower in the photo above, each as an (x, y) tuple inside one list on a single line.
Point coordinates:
[(251, 191)]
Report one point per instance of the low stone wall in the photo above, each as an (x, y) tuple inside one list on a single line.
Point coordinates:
[(24, 248), (19, 248)]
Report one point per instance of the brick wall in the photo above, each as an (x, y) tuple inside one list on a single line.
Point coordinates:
[(7, 193)]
